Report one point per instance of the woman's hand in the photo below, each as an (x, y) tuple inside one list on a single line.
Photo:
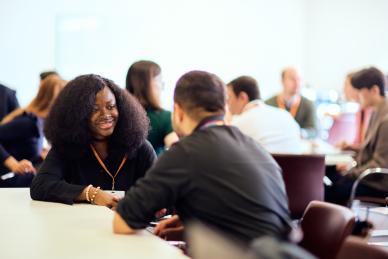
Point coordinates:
[(347, 146), (104, 199), (170, 229), (20, 167)]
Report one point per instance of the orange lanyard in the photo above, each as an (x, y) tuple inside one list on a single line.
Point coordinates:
[(106, 169), (294, 107)]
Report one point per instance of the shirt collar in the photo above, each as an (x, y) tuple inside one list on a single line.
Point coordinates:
[(209, 120), (253, 104)]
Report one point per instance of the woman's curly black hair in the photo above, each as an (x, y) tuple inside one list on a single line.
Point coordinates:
[(67, 125)]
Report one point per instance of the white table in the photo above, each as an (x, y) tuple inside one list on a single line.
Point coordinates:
[(341, 158), (32, 229), (333, 155)]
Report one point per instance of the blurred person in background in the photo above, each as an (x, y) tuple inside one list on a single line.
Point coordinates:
[(362, 117), (263, 123), (144, 81), (290, 99), (373, 152), (21, 135)]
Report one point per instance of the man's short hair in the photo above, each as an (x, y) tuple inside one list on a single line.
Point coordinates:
[(199, 91), (247, 85), (367, 78), (285, 70), (283, 74)]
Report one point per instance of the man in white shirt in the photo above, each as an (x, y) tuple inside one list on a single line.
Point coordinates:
[(275, 129)]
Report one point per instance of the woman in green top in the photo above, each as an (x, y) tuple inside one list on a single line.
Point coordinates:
[(144, 82)]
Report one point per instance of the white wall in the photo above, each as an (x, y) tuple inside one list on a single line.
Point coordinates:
[(228, 38), (324, 38), (342, 36), (26, 44)]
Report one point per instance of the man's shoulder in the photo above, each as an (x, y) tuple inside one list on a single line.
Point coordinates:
[(305, 101), (382, 112), (203, 139), (385, 104), (276, 111), (245, 117), (271, 101)]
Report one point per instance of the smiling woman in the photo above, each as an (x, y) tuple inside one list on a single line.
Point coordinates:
[(98, 134), (104, 116)]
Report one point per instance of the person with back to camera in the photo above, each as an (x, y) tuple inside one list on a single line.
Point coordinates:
[(98, 135), (214, 174), (256, 119), (21, 135), (145, 83)]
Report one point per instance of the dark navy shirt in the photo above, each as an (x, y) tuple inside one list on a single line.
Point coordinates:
[(21, 138), (8, 101), (62, 180)]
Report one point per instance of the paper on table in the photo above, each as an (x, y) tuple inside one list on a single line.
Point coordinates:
[(382, 210), (7, 176), (378, 243), (379, 233)]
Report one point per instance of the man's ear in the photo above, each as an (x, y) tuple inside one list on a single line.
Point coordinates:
[(243, 97), (375, 90), (178, 112)]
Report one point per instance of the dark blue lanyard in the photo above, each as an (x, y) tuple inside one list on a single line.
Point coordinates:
[(210, 121)]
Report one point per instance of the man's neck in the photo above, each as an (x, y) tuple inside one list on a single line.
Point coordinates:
[(288, 96), (378, 102), (190, 126), (193, 124)]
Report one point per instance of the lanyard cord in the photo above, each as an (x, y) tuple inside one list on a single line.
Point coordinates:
[(212, 124), (294, 106), (106, 169), (215, 120)]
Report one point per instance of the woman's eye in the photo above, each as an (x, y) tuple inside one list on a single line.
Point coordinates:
[(111, 107), (95, 109)]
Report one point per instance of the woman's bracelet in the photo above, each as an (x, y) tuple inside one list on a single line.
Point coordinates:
[(94, 195), (87, 192)]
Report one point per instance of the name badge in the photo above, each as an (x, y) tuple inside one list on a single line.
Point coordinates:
[(118, 194)]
